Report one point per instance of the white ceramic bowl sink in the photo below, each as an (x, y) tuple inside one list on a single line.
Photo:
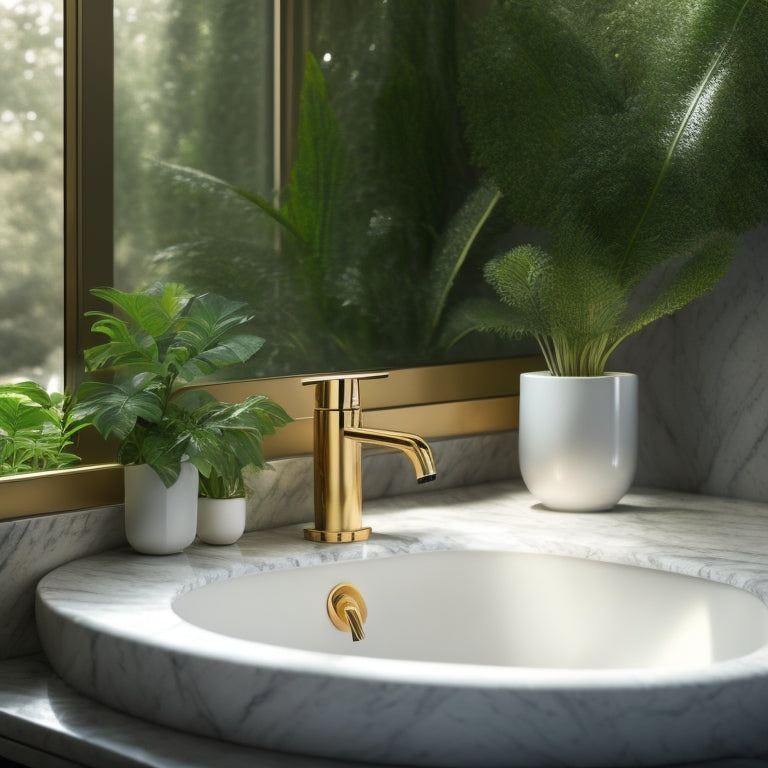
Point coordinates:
[(493, 608), (471, 659)]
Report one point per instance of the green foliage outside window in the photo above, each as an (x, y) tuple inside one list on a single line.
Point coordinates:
[(36, 429)]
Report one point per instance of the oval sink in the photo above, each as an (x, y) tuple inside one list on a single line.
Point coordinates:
[(471, 657), (493, 608)]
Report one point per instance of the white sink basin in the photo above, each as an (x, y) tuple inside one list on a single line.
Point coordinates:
[(493, 608)]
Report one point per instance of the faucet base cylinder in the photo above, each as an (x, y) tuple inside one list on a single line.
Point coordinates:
[(313, 534)]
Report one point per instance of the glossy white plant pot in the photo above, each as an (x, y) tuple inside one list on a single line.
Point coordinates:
[(160, 520), (220, 521), (578, 438)]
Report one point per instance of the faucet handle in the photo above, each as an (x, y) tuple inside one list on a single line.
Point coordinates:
[(340, 391)]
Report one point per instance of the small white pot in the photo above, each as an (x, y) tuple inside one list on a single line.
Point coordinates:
[(160, 520), (578, 438), (220, 521)]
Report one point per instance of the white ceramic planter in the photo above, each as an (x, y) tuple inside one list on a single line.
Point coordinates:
[(160, 520), (578, 438), (220, 521)]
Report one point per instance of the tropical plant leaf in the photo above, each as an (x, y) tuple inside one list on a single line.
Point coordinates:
[(19, 417), (163, 451), (154, 310), (520, 277), (36, 428), (226, 437), (114, 408), (317, 178), (483, 315), (653, 120), (698, 273), (27, 389), (216, 187), (526, 80), (452, 250)]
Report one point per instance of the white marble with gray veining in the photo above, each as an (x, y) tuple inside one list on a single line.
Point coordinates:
[(29, 548), (704, 386), (117, 605)]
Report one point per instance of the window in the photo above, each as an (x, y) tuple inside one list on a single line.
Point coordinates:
[(31, 182), (151, 87)]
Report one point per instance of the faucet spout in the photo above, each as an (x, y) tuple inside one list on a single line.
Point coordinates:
[(413, 446), (355, 621)]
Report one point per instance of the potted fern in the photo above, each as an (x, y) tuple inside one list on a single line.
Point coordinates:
[(631, 139), (159, 341)]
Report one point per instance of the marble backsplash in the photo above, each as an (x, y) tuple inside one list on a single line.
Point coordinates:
[(31, 547), (704, 386)]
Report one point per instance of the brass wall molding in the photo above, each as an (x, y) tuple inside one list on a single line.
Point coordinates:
[(435, 401)]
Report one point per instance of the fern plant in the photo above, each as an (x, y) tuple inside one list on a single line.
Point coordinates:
[(159, 341), (37, 429), (635, 136)]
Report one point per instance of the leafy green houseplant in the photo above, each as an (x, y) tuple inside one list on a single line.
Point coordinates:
[(632, 139), (163, 340), (159, 341), (36, 429)]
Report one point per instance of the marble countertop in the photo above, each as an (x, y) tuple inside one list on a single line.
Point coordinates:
[(722, 540)]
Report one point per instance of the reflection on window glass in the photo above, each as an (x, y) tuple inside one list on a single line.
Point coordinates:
[(31, 184), (350, 264)]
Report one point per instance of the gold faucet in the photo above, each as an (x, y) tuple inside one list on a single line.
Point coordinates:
[(338, 434), (347, 610)]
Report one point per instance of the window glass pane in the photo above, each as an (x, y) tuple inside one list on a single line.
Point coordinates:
[(31, 191), (342, 265), (193, 88)]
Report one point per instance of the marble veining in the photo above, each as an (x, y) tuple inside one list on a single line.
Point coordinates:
[(704, 386), (31, 547), (118, 605)]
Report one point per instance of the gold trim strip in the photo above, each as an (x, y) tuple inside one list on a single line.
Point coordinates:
[(431, 421), (405, 386), (62, 491)]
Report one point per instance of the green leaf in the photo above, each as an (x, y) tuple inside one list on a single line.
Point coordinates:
[(636, 135), (19, 417), (154, 311), (452, 251), (483, 315), (519, 277), (529, 76), (207, 337), (114, 408), (317, 179), (696, 117), (698, 274), (216, 187), (29, 390), (163, 452)]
